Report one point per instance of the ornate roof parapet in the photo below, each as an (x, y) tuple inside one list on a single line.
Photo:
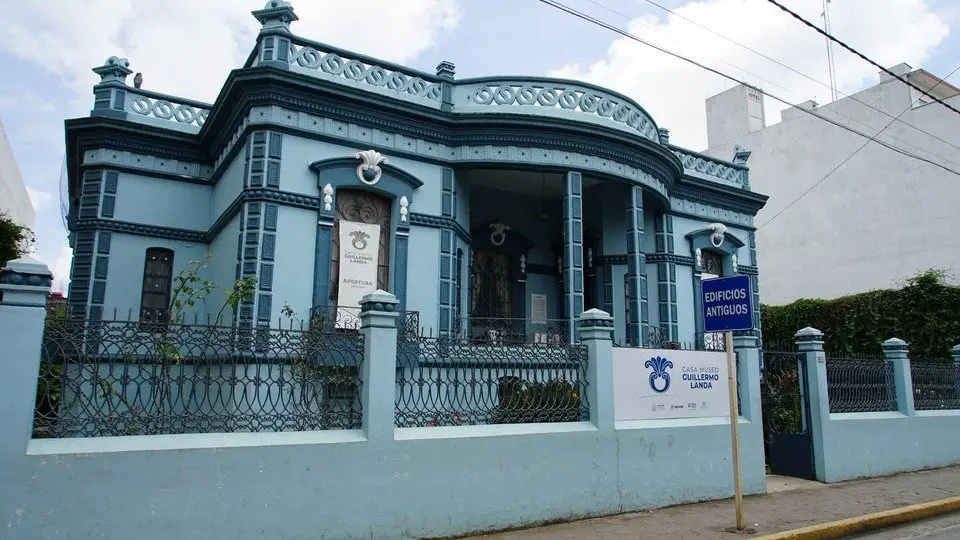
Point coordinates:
[(276, 15)]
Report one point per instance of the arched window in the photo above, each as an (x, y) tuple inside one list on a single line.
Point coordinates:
[(157, 280)]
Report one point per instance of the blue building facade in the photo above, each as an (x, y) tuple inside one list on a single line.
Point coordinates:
[(503, 205)]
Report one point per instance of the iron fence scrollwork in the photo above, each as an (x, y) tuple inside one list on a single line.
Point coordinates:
[(860, 384), (111, 378), (936, 385)]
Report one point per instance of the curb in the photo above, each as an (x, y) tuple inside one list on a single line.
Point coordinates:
[(869, 522)]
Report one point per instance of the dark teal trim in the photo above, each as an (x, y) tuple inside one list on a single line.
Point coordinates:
[(321, 270), (700, 239), (748, 269), (573, 250), (439, 222), (636, 293), (400, 256), (139, 229)]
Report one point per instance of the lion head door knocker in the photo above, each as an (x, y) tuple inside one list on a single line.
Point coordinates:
[(719, 230), (359, 240), (369, 171), (498, 233)]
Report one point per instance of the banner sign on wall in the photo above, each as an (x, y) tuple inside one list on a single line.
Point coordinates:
[(359, 257), (656, 384)]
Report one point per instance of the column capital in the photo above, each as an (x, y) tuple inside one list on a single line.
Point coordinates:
[(895, 346), (809, 339), (25, 282)]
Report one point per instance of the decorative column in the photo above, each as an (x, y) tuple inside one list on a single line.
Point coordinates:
[(596, 329), (448, 252), (666, 278), (813, 367), (109, 96), (698, 296), (25, 284), (275, 19), (896, 351), (572, 250), (446, 71), (378, 326), (636, 270)]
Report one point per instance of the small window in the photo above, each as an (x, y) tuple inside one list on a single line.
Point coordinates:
[(157, 279)]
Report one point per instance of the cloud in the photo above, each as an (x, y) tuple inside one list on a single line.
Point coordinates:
[(39, 198), (61, 269), (674, 91), (187, 48)]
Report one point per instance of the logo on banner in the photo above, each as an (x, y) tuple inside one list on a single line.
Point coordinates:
[(359, 240), (659, 365)]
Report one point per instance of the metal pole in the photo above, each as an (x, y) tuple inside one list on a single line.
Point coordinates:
[(734, 429)]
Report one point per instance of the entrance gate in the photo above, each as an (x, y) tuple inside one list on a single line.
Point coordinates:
[(784, 397)]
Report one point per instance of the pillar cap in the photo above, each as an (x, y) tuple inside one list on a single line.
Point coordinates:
[(378, 300), (955, 349), (809, 334), (894, 343), (26, 271), (595, 317)]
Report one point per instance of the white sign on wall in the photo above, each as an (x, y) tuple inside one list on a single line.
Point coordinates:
[(655, 384), (359, 256), (538, 308)]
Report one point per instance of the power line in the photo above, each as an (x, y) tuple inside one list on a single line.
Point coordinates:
[(858, 53), (855, 152), (624, 33), (802, 74)]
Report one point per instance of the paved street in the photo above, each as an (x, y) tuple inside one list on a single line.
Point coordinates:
[(942, 528), (795, 504)]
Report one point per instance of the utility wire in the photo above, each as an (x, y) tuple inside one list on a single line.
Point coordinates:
[(624, 33), (855, 152), (858, 53), (798, 72)]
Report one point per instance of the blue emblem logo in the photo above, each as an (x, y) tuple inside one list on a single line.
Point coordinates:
[(659, 365)]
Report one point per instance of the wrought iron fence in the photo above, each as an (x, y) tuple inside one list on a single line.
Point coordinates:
[(347, 318), (782, 390), (936, 385), (860, 385), (452, 382), (108, 378), (496, 331)]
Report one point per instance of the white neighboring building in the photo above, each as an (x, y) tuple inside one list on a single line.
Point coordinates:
[(880, 218), (14, 199)]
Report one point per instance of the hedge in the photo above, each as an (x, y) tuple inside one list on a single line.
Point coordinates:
[(925, 313)]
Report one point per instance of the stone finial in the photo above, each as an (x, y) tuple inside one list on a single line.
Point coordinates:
[(664, 136), (276, 14), (740, 155), (115, 69), (446, 70), (955, 352)]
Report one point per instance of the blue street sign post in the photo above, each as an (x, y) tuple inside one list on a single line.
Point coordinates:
[(727, 306)]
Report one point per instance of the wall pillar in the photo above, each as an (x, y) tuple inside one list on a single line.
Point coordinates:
[(896, 351), (636, 270), (378, 326), (572, 250), (25, 284), (747, 349), (813, 366), (596, 329), (321, 270)]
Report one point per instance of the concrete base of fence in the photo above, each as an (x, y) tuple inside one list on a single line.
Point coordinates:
[(425, 482)]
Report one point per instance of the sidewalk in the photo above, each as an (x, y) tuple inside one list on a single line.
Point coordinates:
[(788, 504)]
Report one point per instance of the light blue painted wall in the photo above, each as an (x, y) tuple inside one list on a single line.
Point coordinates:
[(299, 153), (423, 291), (223, 268), (614, 220), (125, 275), (686, 323), (158, 201), (228, 187), (426, 200), (293, 270), (543, 284), (681, 227)]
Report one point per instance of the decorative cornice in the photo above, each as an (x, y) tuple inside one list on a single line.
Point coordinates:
[(542, 269), (439, 222), (140, 229), (611, 260), (669, 258), (748, 270), (351, 162)]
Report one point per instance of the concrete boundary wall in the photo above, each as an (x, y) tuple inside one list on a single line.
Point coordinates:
[(867, 444), (375, 482)]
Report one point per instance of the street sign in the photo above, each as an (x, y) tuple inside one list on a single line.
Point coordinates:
[(727, 304)]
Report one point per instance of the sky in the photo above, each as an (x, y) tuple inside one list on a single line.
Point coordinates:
[(187, 48)]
